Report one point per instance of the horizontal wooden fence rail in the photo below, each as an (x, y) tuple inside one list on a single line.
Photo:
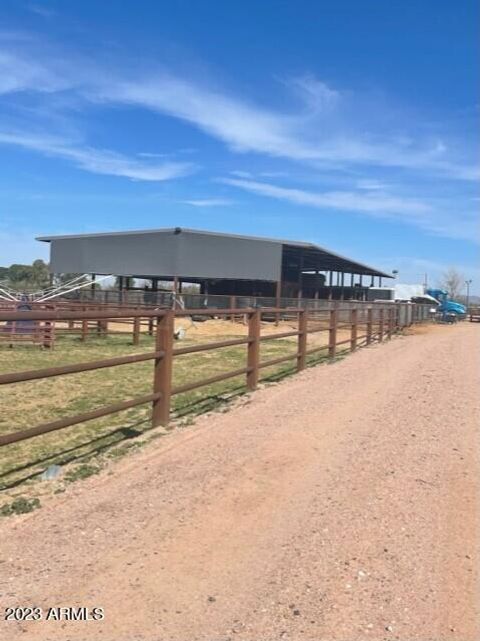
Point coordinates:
[(365, 324), (473, 313)]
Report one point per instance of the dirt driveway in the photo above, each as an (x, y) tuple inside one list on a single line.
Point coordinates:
[(341, 504)]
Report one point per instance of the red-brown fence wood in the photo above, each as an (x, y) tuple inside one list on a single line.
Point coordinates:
[(373, 318)]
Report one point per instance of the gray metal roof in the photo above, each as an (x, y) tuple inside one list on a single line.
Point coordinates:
[(177, 230), (336, 261)]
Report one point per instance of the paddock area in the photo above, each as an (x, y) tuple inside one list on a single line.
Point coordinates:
[(103, 377)]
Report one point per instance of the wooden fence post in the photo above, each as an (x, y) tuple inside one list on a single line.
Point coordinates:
[(369, 325), (354, 327), (332, 333), (47, 334), (398, 317), (302, 339), (233, 303), (136, 330), (163, 365), (380, 324), (98, 323), (84, 333), (105, 327), (49, 329), (253, 350), (391, 322)]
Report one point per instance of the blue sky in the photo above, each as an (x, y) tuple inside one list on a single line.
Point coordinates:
[(350, 124)]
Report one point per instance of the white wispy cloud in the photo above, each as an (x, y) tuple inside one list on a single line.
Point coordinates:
[(209, 202), (242, 126), (378, 203), (375, 203), (149, 154), (317, 95), (41, 10), (98, 161), (370, 185), (24, 73), (247, 127), (273, 174), (241, 174), (322, 130), (319, 131)]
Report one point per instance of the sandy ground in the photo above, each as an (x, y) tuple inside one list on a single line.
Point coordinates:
[(208, 328), (341, 504), (218, 329)]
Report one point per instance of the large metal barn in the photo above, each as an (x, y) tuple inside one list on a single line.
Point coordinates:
[(225, 264)]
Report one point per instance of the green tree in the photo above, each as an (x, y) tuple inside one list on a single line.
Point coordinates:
[(40, 273), (27, 277)]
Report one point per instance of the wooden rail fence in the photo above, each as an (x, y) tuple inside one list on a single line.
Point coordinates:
[(473, 313), (367, 323)]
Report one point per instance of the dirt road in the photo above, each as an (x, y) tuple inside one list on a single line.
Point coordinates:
[(341, 504)]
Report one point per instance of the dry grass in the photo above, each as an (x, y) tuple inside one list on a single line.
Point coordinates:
[(426, 328), (27, 404)]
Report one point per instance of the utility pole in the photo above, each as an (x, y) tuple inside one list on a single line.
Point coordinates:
[(468, 283)]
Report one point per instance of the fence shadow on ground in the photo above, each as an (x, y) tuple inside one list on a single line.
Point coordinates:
[(13, 477)]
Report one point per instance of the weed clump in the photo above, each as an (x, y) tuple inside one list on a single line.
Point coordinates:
[(81, 472), (21, 505)]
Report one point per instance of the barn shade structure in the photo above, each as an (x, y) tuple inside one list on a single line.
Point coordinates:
[(226, 264)]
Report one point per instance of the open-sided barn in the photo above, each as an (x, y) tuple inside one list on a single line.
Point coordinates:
[(220, 263)]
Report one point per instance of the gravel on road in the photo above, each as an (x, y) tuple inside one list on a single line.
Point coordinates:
[(339, 505)]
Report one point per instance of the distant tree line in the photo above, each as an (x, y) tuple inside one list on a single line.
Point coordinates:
[(21, 277), (32, 277)]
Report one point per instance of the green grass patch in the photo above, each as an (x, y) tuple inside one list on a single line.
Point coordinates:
[(20, 505), (24, 405), (81, 472)]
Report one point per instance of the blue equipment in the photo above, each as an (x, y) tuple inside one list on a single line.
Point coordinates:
[(447, 307)]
